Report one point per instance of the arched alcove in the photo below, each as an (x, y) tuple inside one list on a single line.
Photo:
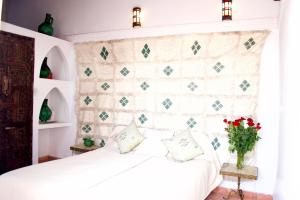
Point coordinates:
[(58, 64)]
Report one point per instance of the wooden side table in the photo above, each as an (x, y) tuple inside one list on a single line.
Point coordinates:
[(83, 149), (248, 172)]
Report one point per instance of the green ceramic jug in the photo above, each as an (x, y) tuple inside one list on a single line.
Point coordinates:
[(46, 26), (45, 70), (45, 112)]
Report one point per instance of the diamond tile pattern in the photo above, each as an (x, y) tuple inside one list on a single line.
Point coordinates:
[(143, 118), (196, 47), (87, 100), (250, 43), (146, 50), (105, 86), (88, 71), (244, 85), (124, 71), (215, 143), (218, 67), (168, 70), (104, 53), (217, 105), (145, 86), (124, 101), (192, 86), (87, 128), (167, 103), (191, 122), (103, 116)]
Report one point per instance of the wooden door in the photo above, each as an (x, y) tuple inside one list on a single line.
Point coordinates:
[(16, 100)]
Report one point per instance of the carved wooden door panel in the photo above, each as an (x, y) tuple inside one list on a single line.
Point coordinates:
[(16, 100)]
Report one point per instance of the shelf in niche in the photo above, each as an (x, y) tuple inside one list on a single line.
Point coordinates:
[(57, 63), (54, 125)]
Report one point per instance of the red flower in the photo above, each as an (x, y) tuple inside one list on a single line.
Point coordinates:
[(242, 118), (250, 123), (250, 120), (229, 122), (236, 123), (258, 126), (225, 120)]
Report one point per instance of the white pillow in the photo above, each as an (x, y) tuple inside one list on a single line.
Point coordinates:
[(152, 145), (182, 146), (128, 138)]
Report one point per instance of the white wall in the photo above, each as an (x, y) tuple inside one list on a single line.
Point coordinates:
[(288, 173), (73, 17)]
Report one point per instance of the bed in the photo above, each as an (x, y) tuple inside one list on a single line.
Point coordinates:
[(107, 174)]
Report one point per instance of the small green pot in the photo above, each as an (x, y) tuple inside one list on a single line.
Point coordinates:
[(88, 142)]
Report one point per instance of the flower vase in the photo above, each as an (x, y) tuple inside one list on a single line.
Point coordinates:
[(45, 113), (46, 26), (240, 160)]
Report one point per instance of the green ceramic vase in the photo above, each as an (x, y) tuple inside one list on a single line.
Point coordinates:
[(45, 70), (45, 112), (46, 26)]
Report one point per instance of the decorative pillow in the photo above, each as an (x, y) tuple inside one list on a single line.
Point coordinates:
[(182, 146), (129, 138)]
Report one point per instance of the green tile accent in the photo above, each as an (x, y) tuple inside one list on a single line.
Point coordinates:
[(244, 85), (88, 71), (104, 53), (86, 128), (196, 47), (167, 103), (250, 43), (192, 86), (87, 100), (215, 143), (144, 86), (191, 122), (218, 67), (168, 70), (143, 118), (105, 86), (217, 105), (146, 50), (124, 101), (124, 71), (103, 116)]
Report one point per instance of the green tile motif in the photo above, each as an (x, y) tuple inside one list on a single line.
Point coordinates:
[(192, 86), (244, 85), (250, 43), (103, 116), (105, 86), (144, 86), (167, 103), (218, 67), (146, 51), (215, 143), (86, 128), (143, 118), (87, 100), (123, 101), (191, 122), (124, 71), (196, 47), (104, 53), (217, 105), (168, 70), (88, 71)]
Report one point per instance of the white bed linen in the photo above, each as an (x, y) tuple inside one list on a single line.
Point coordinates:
[(106, 174)]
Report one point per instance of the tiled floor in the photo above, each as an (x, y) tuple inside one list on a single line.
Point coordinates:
[(220, 192)]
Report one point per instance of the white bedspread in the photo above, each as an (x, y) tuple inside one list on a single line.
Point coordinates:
[(105, 174)]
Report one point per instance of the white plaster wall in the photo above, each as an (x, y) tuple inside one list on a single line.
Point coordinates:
[(288, 166), (72, 17)]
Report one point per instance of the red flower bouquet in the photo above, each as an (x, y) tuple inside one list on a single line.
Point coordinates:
[(242, 136)]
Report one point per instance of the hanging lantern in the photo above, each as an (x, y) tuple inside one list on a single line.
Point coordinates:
[(226, 9), (136, 17)]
